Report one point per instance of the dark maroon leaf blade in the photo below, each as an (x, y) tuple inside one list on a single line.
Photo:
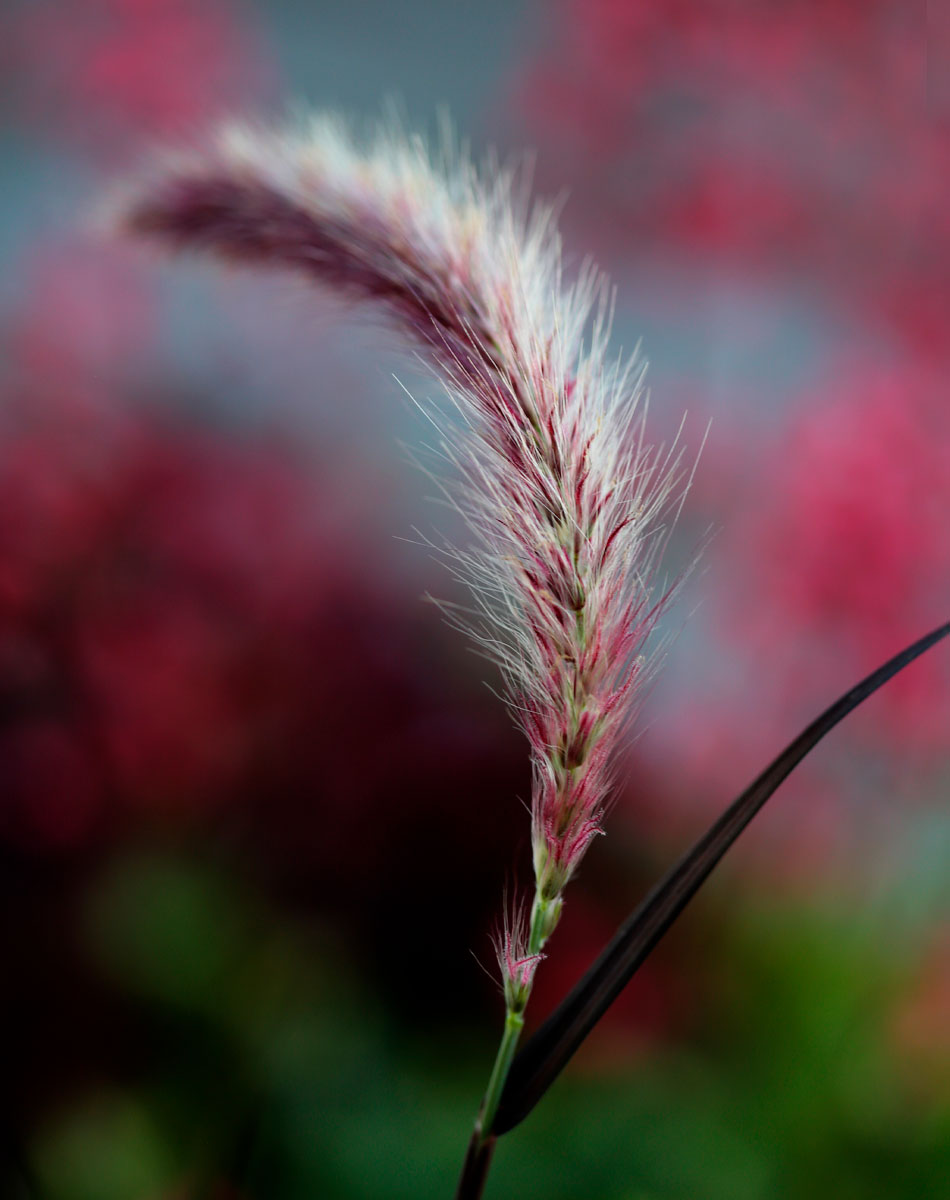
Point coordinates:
[(547, 1053)]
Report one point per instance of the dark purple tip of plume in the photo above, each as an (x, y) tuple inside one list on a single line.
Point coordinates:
[(243, 219), (246, 220)]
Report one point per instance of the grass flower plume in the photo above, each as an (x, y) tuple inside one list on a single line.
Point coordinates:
[(566, 502)]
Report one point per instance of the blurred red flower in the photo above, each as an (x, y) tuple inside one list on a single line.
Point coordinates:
[(108, 73), (797, 135), (847, 553)]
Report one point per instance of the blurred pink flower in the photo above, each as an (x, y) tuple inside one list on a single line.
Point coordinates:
[(832, 554), (799, 136), (108, 73), (849, 547)]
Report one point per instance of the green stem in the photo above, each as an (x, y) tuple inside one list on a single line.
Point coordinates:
[(478, 1157), (481, 1147), (539, 912), (514, 1023)]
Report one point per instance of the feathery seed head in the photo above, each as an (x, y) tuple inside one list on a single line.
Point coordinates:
[(563, 498)]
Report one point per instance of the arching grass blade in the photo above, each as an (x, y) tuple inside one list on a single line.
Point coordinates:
[(547, 1053)]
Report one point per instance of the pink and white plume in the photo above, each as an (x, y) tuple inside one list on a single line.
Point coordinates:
[(567, 505)]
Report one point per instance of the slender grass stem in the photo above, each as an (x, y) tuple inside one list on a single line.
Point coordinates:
[(539, 911), (481, 1146), (514, 1023), (475, 1168)]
